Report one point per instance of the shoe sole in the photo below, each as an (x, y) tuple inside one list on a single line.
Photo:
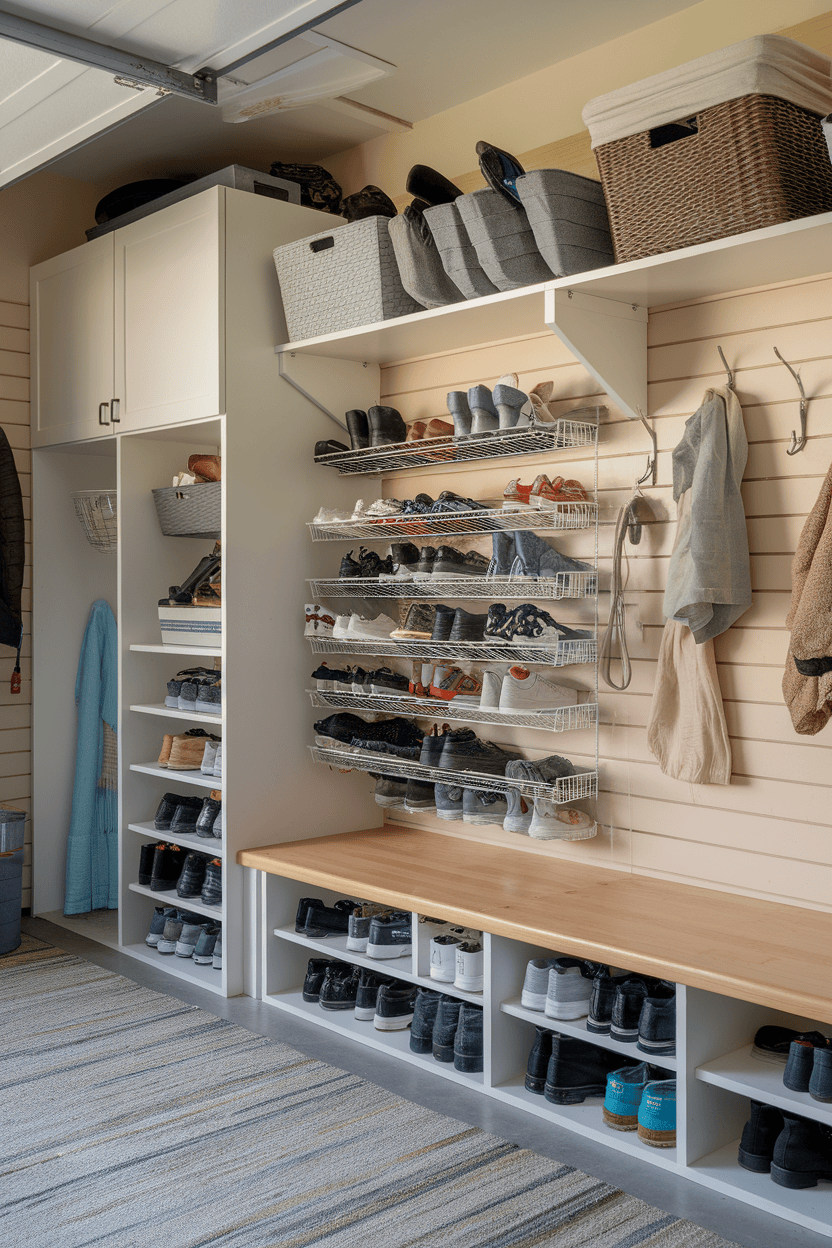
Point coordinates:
[(533, 1001), (443, 1053), (597, 1029), (572, 1096), (441, 979), (356, 945), (151, 942), (208, 960), (468, 1065), (336, 1005), (750, 1161), (420, 1046), (623, 1037), (568, 1010), (482, 820), (365, 1014), (383, 952), (399, 1023), (450, 816), (188, 954), (667, 1139), (165, 952), (667, 1049), (470, 983), (576, 834), (516, 825), (391, 803), (620, 1122)]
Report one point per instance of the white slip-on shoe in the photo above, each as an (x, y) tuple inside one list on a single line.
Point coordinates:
[(341, 627), (371, 630), (523, 690), (331, 515), (443, 957), (492, 683), (551, 822)]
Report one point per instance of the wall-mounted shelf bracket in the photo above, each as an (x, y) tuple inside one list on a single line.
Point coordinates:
[(610, 340), (332, 385)]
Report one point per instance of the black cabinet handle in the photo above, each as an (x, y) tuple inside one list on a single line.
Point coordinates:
[(115, 405), (103, 407)]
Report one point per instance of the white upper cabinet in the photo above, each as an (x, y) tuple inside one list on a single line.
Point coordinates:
[(71, 299), (169, 322)]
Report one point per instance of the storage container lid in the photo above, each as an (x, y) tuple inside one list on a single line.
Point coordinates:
[(762, 65)]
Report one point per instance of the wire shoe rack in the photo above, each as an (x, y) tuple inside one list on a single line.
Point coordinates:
[(561, 516), (564, 434), (493, 588), (564, 719), (557, 654), (566, 789)]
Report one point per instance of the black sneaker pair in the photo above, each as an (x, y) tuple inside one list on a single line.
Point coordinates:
[(368, 564), (314, 918), (351, 729), (797, 1152), (634, 1009), (163, 868), (450, 1029)]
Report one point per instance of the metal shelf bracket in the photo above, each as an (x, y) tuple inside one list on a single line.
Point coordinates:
[(330, 384), (609, 338)]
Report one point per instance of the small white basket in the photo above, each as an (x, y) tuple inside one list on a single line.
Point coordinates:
[(97, 512), (344, 277)]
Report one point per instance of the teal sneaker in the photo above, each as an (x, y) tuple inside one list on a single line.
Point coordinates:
[(657, 1114), (623, 1096)]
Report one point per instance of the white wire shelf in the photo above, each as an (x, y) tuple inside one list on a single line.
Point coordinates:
[(493, 588), (562, 516), (564, 719), (565, 434), (566, 789), (560, 654)]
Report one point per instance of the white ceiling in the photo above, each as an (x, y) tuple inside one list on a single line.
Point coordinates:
[(445, 52)]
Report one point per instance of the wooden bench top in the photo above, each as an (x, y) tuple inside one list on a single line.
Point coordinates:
[(777, 955)]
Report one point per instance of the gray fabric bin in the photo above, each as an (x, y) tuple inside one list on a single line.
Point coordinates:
[(568, 216), (459, 259), (503, 240), (420, 264), (11, 891), (343, 277)]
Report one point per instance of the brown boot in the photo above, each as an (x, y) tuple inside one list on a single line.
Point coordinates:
[(187, 750)]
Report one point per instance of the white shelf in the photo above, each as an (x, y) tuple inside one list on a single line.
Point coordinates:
[(205, 845), (577, 1027), (345, 1023), (399, 968), (167, 712), (587, 1119), (171, 898), (762, 1081), (811, 1207), (210, 651), (779, 253), (178, 777), (180, 968), (565, 719)]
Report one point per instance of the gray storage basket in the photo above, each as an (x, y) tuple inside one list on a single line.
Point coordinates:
[(459, 259), (11, 897), (190, 510), (503, 240), (344, 277), (12, 829), (568, 216)]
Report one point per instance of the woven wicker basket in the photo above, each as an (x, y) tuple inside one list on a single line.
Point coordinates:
[(752, 162), (190, 510)]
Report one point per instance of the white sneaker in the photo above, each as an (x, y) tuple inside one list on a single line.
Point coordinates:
[(209, 754), (536, 983), (443, 957), (358, 510), (319, 621), (560, 823), (341, 627), (492, 683), (384, 507), (523, 690), (570, 989), (218, 762), (378, 629), (331, 515), (470, 965)]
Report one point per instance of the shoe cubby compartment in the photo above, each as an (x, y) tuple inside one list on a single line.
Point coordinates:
[(462, 588), (213, 847), (558, 654), (568, 433), (564, 719), (204, 720), (178, 777), (561, 517), (566, 789)]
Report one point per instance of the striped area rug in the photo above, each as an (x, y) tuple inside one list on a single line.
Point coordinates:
[(131, 1120)]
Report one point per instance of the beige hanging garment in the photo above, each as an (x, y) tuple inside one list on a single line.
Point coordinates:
[(807, 680), (686, 730)]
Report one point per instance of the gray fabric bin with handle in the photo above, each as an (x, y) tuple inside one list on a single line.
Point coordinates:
[(503, 240), (568, 216), (459, 259), (419, 261), (344, 277), (190, 510)]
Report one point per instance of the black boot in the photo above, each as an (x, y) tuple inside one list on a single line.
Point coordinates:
[(802, 1153), (538, 1064), (358, 429), (386, 426), (758, 1137)]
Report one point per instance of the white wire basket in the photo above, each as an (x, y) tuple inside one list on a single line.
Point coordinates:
[(97, 512)]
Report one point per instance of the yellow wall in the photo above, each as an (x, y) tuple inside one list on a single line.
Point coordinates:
[(537, 111)]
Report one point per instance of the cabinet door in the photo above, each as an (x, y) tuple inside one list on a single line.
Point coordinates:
[(169, 323), (71, 301)]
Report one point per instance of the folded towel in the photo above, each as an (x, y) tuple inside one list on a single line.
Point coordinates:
[(762, 65)]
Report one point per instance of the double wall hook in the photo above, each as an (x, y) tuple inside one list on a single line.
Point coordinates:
[(798, 443), (652, 469)]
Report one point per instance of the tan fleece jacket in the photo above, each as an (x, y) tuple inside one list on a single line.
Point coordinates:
[(807, 681)]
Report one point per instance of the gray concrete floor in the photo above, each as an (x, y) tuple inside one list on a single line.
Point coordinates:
[(731, 1219)]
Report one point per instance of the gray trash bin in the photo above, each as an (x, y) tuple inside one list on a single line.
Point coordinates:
[(12, 831)]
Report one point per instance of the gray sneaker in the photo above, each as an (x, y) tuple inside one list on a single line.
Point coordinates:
[(519, 811), (209, 699), (538, 558), (449, 799), (188, 937), (463, 751), (216, 960), (161, 914), (536, 983), (570, 988), (204, 948), (483, 808), (173, 930)]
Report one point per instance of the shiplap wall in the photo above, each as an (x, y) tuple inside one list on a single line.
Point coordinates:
[(768, 833), (16, 710)]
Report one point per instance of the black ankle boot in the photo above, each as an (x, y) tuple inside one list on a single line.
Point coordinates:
[(758, 1137), (358, 429), (386, 426)]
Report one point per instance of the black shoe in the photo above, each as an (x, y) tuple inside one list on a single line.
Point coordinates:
[(167, 867), (464, 751), (468, 626), (468, 1040), (419, 622), (339, 988), (604, 988), (367, 995), (452, 562), (444, 1029), (443, 623), (420, 795), (538, 1063), (370, 201), (772, 1043), (372, 564), (329, 447), (657, 1021), (303, 906), (802, 1153), (820, 1081), (394, 1007), (426, 560), (212, 887), (192, 875), (578, 1070), (315, 970), (349, 567), (404, 557), (386, 426), (497, 623), (186, 814), (400, 734), (500, 170), (390, 936), (430, 186), (147, 854), (342, 726), (358, 428), (385, 681), (421, 505), (626, 1010), (321, 921), (360, 678), (424, 1017), (207, 817), (165, 811)]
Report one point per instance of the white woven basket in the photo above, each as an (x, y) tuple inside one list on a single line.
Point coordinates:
[(344, 277)]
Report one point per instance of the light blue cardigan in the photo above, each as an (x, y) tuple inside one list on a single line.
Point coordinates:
[(92, 849)]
